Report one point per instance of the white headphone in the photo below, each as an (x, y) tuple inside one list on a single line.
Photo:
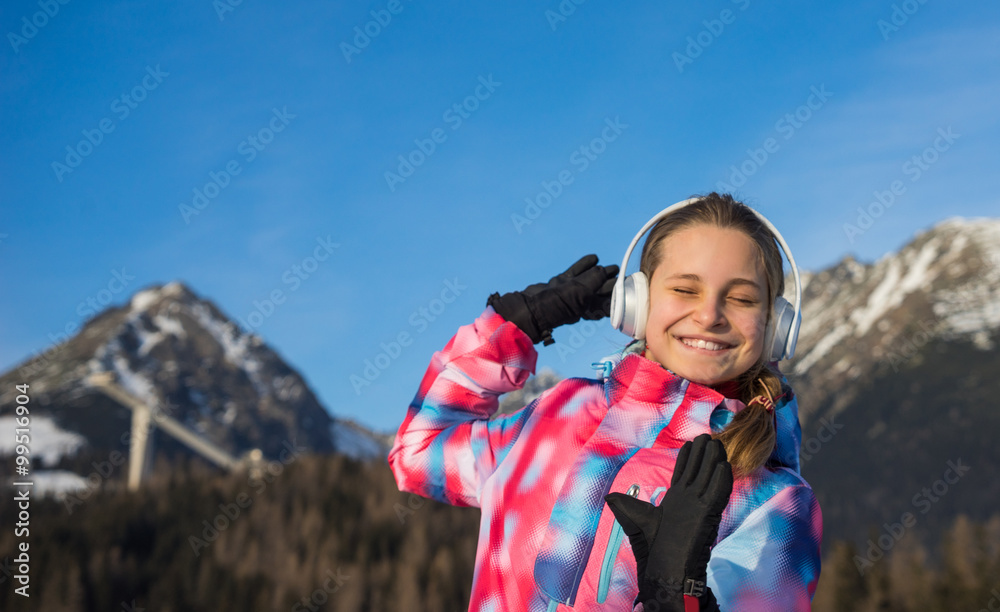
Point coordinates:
[(630, 298)]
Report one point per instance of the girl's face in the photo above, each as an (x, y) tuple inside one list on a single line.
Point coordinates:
[(708, 286)]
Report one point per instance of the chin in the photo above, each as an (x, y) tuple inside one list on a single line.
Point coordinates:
[(704, 380), (693, 375)]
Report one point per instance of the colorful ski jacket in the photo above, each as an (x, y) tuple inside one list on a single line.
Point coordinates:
[(547, 540)]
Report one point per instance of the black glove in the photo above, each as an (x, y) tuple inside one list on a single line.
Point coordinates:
[(582, 292), (672, 542)]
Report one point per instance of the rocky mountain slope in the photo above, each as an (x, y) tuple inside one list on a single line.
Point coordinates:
[(865, 318), (896, 373)]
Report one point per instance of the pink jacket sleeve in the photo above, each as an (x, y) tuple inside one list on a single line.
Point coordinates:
[(447, 446)]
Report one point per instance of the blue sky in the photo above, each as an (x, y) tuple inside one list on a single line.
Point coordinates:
[(170, 95)]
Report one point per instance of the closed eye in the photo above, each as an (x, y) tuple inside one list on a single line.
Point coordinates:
[(683, 291)]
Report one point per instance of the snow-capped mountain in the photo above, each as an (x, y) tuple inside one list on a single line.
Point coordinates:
[(179, 354), (896, 376), (869, 319)]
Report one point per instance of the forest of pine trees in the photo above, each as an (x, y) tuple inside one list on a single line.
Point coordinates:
[(330, 533)]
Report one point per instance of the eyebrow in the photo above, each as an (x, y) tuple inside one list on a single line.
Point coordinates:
[(735, 281)]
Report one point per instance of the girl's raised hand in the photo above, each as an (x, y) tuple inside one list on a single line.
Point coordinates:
[(581, 292)]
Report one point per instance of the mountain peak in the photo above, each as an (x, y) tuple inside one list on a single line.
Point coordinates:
[(177, 352), (967, 223), (176, 290)]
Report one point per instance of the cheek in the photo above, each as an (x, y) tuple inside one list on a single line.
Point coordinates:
[(753, 327), (664, 305), (663, 313)]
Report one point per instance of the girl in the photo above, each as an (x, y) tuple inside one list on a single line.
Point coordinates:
[(723, 524)]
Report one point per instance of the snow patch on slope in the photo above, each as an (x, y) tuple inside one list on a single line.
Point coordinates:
[(169, 325), (147, 340), (144, 299), (47, 441), (162, 324), (57, 483), (974, 308), (821, 348), (134, 382), (111, 358), (235, 344), (895, 286)]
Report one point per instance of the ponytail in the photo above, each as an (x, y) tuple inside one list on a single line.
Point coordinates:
[(750, 437)]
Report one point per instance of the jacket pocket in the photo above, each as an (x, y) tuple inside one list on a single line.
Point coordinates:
[(611, 552)]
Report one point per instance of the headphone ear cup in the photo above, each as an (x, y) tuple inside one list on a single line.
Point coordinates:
[(617, 315), (778, 330), (636, 305)]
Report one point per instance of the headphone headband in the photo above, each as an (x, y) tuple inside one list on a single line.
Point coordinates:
[(618, 295)]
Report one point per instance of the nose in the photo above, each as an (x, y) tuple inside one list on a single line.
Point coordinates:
[(708, 313)]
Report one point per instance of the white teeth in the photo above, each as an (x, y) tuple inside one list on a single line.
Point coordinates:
[(712, 346)]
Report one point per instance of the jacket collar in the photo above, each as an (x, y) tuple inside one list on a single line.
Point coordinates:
[(658, 383)]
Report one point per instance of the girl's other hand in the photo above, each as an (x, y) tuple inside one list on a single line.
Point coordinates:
[(672, 542)]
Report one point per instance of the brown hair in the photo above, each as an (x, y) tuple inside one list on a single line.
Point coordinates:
[(750, 437)]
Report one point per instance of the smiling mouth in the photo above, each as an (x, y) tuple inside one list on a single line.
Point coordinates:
[(704, 345)]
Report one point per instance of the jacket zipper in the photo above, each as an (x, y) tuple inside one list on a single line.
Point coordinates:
[(614, 542)]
